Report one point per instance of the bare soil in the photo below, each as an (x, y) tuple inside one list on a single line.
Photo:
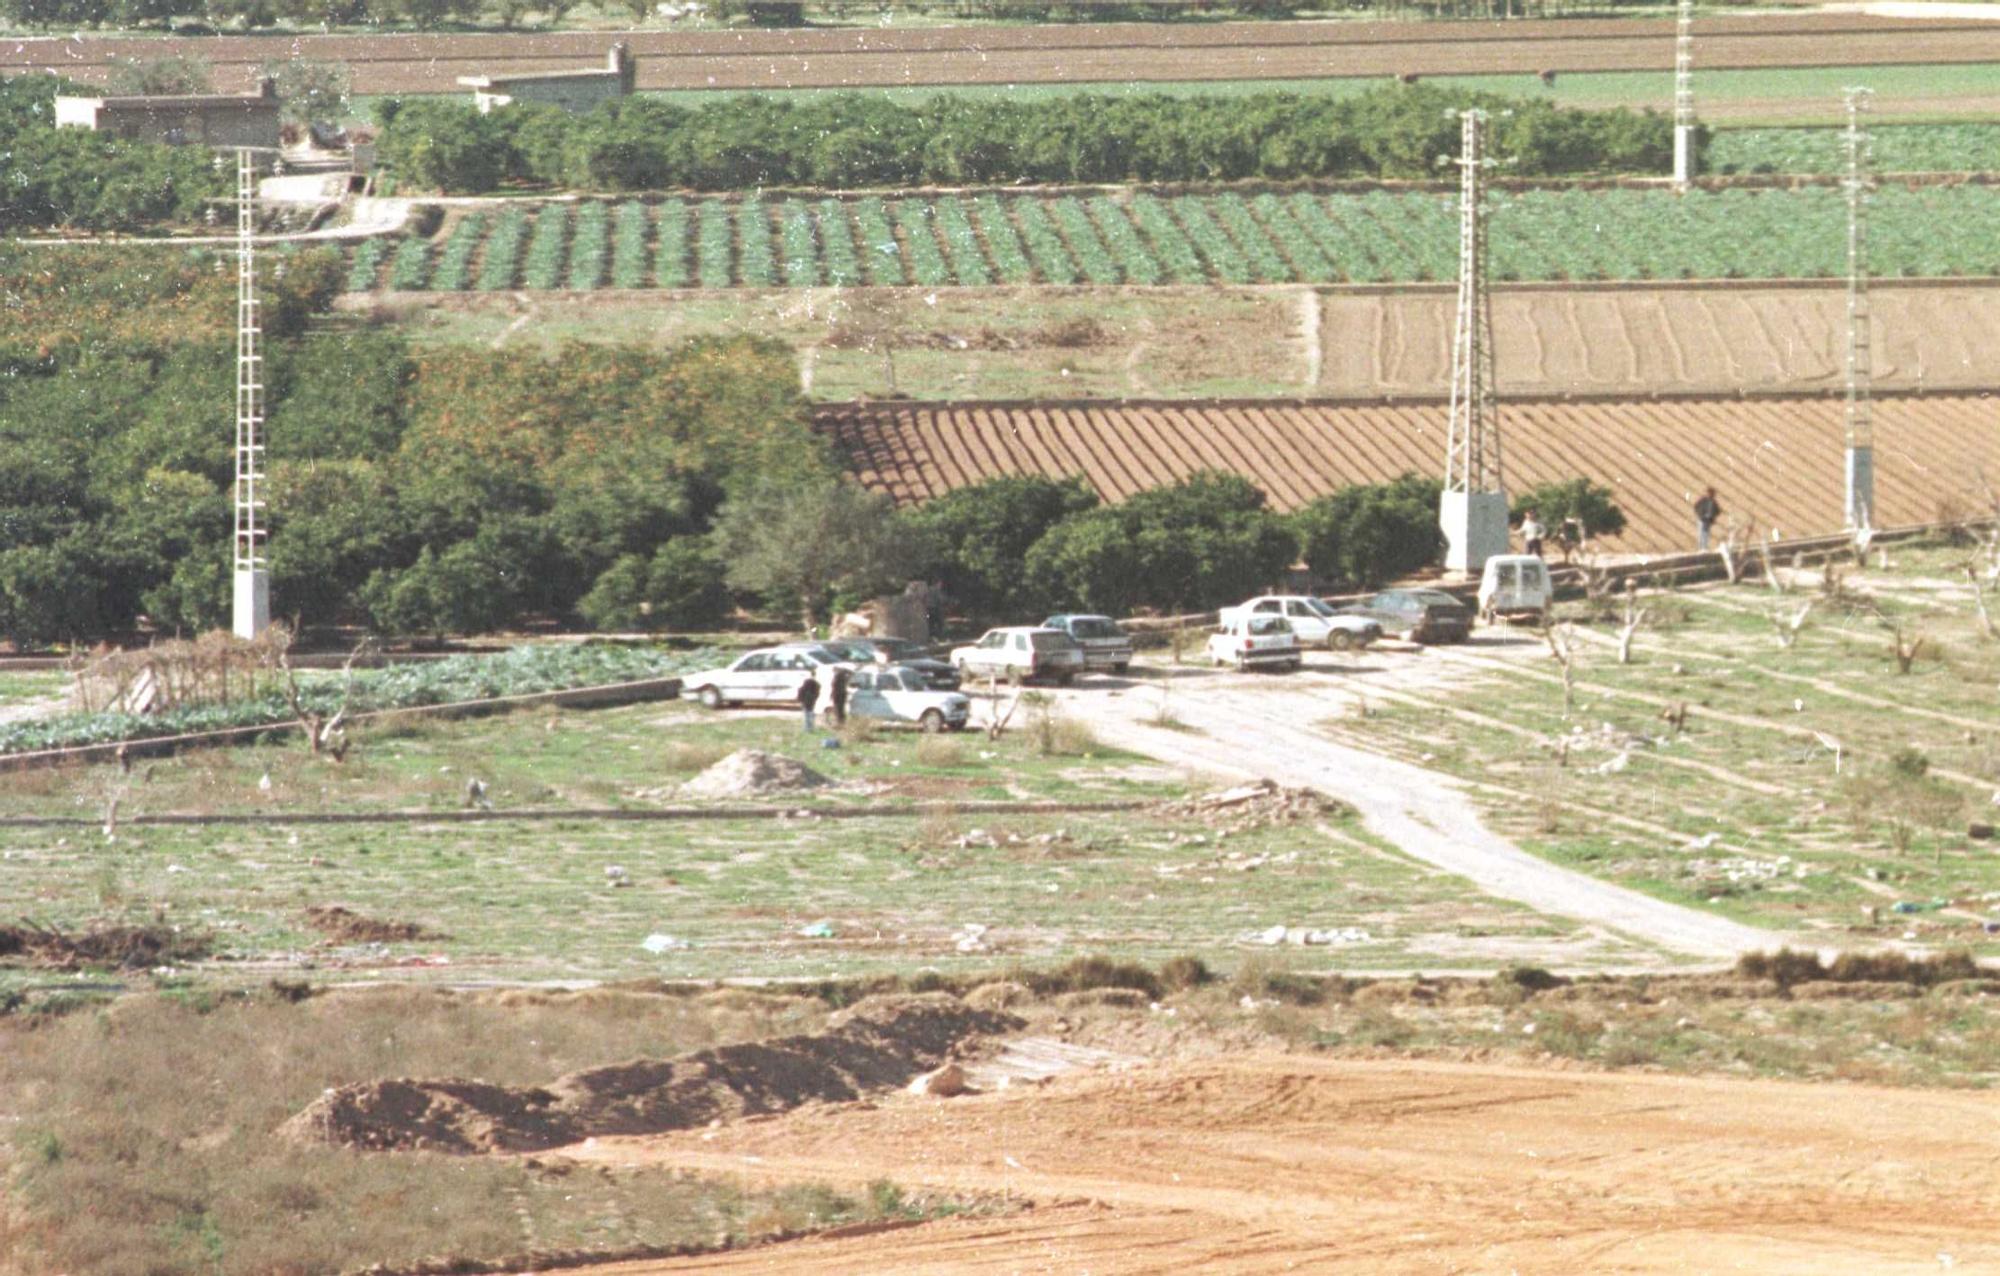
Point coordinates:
[(1262, 1163), (877, 1044), (121, 946), (343, 925), (1057, 54)]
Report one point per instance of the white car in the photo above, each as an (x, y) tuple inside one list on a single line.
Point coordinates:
[(1019, 653), (768, 675), (1515, 585), (1315, 623), (1255, 641), (900, 694)]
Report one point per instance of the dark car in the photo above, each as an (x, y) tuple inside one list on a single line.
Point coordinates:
[(910, 654), (1420, 615)]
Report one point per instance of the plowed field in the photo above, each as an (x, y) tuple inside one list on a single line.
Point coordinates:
[(1775, 461), (1061, 54), (1269, 1164)]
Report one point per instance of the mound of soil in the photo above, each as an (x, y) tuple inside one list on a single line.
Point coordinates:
[(1251, 806), (344, 926), (123, 947), (752, 772), (879, 1043)]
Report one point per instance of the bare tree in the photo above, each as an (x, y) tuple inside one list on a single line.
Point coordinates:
[(1788, 627), (1903, 649), (1771, 577), (1562, 645), (1735, 540), (1979, 603), (324, 733), (1635, 616)]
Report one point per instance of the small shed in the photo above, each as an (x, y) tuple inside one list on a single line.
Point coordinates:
[(205, 119), (576, 91)]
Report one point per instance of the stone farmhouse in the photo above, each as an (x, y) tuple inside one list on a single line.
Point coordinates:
[(576, 91), (205, 119)]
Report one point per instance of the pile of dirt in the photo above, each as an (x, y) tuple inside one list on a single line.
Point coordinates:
[(1254, 806), (344, 926), (751, 773), (879, 1043), (122, 947)]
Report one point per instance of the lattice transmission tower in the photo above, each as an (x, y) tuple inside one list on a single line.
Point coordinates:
[(1473, 511), (1859, 416), (1684, 124), (251, 612)]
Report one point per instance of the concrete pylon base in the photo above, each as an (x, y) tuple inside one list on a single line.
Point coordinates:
[(251, 614), (1861, 487), (1475, 528)]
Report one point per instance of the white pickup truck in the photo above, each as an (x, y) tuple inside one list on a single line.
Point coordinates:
[(1255, 641), (1315, 623)]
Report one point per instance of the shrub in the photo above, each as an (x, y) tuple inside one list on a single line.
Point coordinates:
[(409, 270), (756, 262), (502, 259), (365, 265), (1367, 535), (544, 265), (454, 264), (1591, 504)]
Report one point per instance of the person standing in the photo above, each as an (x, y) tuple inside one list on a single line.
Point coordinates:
[(836, 697), (809, 697), (1531, 533), (1706, 511)]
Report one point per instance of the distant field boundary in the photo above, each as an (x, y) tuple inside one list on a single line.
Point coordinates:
[(634, 815), (604, 696)]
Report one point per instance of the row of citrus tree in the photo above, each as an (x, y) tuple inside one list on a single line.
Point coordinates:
[(855, 140)]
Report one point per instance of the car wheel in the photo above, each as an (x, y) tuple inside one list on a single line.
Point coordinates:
[(1121, 666), (931, 722), (1294, 666), (711, 697), (1064, 679), (1339, 640)]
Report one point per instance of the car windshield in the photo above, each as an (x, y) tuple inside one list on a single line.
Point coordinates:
[(850, 650), (1316, 607), (1094, 627)]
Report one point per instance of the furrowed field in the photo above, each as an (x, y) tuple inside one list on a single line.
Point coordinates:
[(1126, 237)]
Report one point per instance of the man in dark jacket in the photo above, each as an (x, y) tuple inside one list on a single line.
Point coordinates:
[(1706, 511), (808, 697), (836, 702)]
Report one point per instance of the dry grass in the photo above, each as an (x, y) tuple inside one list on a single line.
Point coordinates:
[(691, 757), (144, 1131), (940, 753)]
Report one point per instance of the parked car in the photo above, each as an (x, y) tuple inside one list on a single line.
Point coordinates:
[(1105, 645), (1312, 619), (1516, 585), (1019, 653), (768, 675), (1256, 640), (906, 652), (1419, 615), (898, 693)]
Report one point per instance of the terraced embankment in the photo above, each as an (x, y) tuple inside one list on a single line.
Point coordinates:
[(854, 58), (1777, 461)]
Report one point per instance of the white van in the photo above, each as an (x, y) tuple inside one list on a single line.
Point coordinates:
[(1516, 586)]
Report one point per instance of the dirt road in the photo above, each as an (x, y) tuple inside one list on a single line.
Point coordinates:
[(1084, 53), (1268, 1164), (1262, 727)]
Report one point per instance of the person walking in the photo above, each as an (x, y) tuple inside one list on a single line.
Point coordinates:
[(809, 697), (1531, 533), (836, 697), (1706, 511)]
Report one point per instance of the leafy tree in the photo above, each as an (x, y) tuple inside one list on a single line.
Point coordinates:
[(1369, 534), (1088, 562), (803, 543), (681, 587), (147, 77), (312, 90), (979, 537), (1591, 504)]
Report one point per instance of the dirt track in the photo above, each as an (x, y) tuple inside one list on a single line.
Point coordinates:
[(1061, 54), (1269, 1164)]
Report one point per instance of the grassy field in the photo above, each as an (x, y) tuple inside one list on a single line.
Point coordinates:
[(945, 889), (1745, 811)]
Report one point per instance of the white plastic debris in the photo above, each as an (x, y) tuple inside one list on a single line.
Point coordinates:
[(658, 943)]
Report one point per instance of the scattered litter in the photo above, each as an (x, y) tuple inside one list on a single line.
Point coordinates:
[(177, 868), (1305, 935), (658, 943), (1908, 906), (818, 930), (976, 838), (971, 938), (616, 875), (1251, 806), (1703, 842), (264, 782)]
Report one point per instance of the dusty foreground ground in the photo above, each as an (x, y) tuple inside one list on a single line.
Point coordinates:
[(1266, 1163)]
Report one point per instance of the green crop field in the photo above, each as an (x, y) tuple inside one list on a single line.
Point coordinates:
[(1230, 238)]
